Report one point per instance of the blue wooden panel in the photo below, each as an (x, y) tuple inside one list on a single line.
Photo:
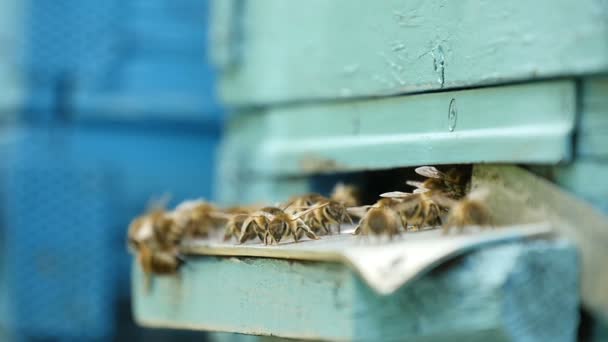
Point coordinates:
[(277, 51), (49, 195), (495, 294), (530, 123), (592, 142), (584, 179)]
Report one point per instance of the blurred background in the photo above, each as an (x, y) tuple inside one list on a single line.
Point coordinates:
[(104, 105)]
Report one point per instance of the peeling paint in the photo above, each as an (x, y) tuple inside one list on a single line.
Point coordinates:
[(439, 64)]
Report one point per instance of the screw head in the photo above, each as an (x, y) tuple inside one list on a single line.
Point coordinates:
[(452, 115)]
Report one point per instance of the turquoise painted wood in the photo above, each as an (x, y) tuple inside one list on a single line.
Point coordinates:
[(495, 294), (529, 123), (585, 178), (593, 132), (277, 51), (11, 81)]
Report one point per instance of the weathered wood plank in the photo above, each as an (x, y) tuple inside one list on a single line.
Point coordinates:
[(529, 123), (585, 179), (276, 51), (592, 134), (494, 294), (517, 195)]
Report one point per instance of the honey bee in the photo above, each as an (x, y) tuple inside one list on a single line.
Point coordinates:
[(144, 228), (236, 218), (199, 218), (256, 224), (284, 224), (452, 183), (416, 210), (140, 231), (469, 211), (156, 261), (271, 224), (380, 219), (347, 195), (329, 212)]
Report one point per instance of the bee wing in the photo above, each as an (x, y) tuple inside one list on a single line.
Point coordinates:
[(359, 211), (443, 201), (302, 213), (430, 172), (406, 203), (268, 216), (395, 194), (416, 184), (221, 215), (420, 190), (159, 203)]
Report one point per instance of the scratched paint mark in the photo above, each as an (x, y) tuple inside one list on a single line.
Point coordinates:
[(397, 46), (439, 64), (407, 20), (395, 69)]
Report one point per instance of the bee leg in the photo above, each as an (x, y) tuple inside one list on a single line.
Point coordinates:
[(260, 236), (324, 226), (357, 230), (228, 235), (243, 234), (309, 233), (294, 233)]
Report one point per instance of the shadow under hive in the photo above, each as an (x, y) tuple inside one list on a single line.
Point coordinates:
[(57, 251)]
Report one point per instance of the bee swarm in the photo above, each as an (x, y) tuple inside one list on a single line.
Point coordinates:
[(442, 199)]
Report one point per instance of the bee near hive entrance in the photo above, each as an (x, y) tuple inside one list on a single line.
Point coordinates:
[(379, 203)]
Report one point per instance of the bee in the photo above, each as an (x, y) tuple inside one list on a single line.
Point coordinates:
[(469, 211), (236, 218), (452, 183), (329, 212), (284, 224), (347, 195), (156, 261), (380, 219), (199, 218), (140, 231), (271, 224), (416, 210), (145, 228), (256, 224)]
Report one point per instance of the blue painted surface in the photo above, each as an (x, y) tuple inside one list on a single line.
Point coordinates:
[(67, 194), (115, 59), (115, 90)]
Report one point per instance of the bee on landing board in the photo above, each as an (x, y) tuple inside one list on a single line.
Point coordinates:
[(256, 224), (379, 219), (271, 224), (347, 195), (452, 183), (416, 210), (328, 212), (468, 211), (199, 218)]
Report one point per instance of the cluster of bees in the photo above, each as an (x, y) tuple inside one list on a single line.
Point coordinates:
[(442, 199)]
